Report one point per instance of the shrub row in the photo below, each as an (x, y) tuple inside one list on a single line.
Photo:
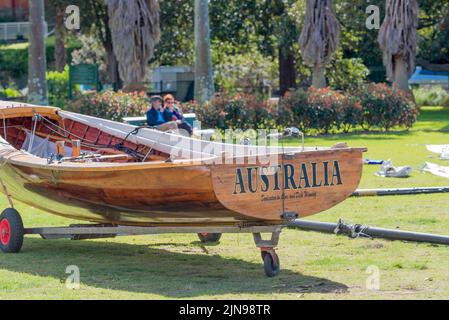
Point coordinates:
[(110, 105), (374, 106)]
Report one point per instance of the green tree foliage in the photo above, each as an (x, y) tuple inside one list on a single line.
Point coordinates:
[(176, 46), (434, 30), (238, 27), (251, 71)]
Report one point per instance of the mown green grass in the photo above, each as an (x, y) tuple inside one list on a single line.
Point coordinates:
[(314, 266)]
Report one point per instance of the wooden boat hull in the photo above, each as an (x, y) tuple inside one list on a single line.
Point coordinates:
[(193, 194), (233, 191), (141, 197)]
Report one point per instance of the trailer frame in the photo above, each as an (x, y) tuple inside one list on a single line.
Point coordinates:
[(13, 234)]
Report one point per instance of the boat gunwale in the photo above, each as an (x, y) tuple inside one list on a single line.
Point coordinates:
[(107, 166)]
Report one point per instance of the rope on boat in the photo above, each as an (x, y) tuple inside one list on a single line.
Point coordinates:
[(91, 144)]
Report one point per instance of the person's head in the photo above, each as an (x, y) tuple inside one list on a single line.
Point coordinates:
[(169, 100), (156, 102)]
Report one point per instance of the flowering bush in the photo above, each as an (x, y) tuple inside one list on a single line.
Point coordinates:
[(111, 105), (313, 110), (241, 111), (386, 107), (320, 110)]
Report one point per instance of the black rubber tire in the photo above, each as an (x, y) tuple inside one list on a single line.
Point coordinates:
[(17, 231), (209, 237), (271, 265)]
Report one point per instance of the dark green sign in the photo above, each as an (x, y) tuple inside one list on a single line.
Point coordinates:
[(83, 74)]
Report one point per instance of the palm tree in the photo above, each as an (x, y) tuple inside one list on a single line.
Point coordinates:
[(135, 32), (37, 65), (397, 39), (204, 81), (320, 38)]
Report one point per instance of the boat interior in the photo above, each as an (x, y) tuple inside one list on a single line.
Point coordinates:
[(54, 138), (56, 135)]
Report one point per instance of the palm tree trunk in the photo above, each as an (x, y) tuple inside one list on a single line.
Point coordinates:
[(37, 65), (60, 51), (401, 74), (320, 38), (204, 81), (134, 44), (319, 79), (398, 39)]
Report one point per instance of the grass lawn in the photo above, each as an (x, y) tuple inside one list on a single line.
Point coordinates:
[(314, 266), (49, 41)]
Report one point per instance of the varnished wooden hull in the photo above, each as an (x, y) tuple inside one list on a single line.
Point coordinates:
[(127, 197)]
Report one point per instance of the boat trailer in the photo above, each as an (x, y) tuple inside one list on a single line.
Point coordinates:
[(12, 234)]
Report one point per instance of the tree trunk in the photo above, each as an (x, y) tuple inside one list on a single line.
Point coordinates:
[(319, 79), (204, 81), (113, 76), (60, 51), (287, 71), (401, 74), (112, 70), (37, 64)]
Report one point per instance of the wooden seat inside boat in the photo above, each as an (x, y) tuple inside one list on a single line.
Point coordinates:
[(81, 143)]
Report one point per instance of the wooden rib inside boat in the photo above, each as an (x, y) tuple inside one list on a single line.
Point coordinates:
[(101, 171)]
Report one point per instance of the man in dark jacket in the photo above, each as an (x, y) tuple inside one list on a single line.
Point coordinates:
[(155, 116)]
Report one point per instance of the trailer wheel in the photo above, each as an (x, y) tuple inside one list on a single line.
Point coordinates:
[(209, 237), (271, 264), (11, 231)]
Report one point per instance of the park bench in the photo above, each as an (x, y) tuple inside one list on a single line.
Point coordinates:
[(190, 118)]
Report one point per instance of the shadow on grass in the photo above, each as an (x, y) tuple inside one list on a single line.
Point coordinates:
[(143, 269)]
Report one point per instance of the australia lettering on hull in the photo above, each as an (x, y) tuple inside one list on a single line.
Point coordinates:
[(302, 176)]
